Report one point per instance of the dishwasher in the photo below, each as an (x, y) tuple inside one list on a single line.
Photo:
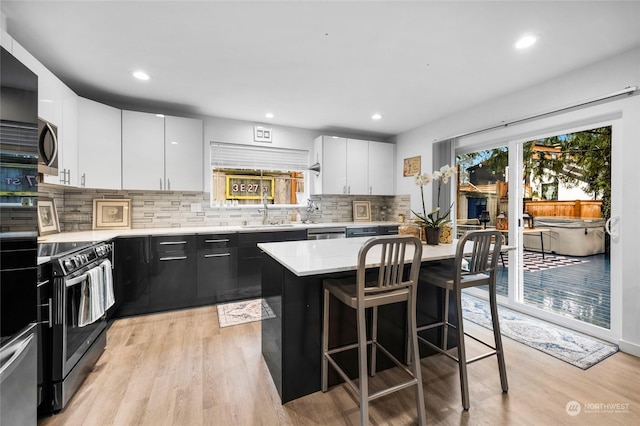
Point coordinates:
[(326, 233)]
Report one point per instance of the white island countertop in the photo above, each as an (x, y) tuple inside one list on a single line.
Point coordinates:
[(314, 257)]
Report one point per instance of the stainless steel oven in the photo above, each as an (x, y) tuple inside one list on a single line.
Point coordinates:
[(78, 335)]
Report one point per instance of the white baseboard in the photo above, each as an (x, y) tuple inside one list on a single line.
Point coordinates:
[(629, 347)]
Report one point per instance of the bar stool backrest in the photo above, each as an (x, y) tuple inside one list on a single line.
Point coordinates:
[(393, 249), (483, 258)]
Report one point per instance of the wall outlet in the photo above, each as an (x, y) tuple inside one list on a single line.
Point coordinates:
[(196, 207)]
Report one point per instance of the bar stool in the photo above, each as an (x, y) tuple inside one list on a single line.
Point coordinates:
[(484, 248), (358, 294)]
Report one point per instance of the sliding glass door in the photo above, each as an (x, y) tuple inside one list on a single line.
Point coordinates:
[(555, 193)]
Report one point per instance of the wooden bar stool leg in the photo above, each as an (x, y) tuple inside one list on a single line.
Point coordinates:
[(462, 356)]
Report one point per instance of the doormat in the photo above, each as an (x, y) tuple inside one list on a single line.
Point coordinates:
[(569, 346), (533, 261), (243, 312)]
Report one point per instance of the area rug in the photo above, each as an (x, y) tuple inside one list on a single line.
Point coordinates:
[(574, 348), (533, 262), (243, 312)]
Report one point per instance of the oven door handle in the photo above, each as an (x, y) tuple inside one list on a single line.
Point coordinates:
[(77, 280)]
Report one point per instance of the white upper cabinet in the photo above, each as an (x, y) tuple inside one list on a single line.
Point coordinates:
[(183, 153), (142, 151), (332, 154), (381, 168), (357, 166), (99, 145), (161, 153), (353, 166), (68, 139)]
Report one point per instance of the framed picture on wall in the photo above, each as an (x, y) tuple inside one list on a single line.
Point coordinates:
[(47, 217), (111, 214), (361, 211), (412, 166)]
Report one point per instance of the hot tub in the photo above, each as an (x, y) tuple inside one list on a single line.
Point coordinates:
[(568, 236)]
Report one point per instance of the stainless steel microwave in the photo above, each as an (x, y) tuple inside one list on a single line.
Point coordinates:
[(47, 148)]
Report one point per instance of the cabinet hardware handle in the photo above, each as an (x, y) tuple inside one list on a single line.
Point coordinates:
[(206, 256), (160, 183), (173, 258), (169, 184), (363, 233), (226, 240), (172, 243), (83, 180)]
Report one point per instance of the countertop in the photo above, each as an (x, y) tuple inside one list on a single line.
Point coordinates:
[(314, 257), (104, 235)]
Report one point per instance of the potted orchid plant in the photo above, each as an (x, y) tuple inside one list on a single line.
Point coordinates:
[(432, 222)]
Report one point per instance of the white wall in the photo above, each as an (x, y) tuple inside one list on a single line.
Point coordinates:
[(587, 83)]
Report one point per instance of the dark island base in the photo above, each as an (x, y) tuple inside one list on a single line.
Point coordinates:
[(292, 341)]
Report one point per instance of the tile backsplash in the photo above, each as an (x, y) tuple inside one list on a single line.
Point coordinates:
[(169, 209)]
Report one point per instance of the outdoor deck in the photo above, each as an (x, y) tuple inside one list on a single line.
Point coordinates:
[(576, 287)]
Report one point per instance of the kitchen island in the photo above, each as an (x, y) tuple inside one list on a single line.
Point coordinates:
[(292, 275)]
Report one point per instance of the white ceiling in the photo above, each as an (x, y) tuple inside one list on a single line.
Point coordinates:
[(321, 65)]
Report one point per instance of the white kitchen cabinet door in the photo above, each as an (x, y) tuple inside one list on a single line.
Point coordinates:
[(142, 151), (183, 154), (99, 145), (334, 166), (68, 137), (357, 167), (381, 168)]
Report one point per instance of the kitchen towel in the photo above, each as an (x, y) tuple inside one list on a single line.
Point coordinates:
[(107, 282)]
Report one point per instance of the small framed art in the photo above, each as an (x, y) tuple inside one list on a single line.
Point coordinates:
[(47, 217), (361, 211), (411, 166), (111, 214)]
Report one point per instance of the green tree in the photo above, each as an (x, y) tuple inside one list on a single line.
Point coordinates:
[(576, 159)]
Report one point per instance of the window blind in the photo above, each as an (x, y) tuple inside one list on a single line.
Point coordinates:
[(235, 156)]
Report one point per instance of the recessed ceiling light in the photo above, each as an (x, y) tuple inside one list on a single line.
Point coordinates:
[(141, 75), (160, 115), (376, 116), (269, 115), (526, 41), (46, 101)]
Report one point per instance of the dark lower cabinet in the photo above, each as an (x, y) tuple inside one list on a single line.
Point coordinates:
[(158, 273), (172, 272), (217, 268), (249, 263), (131, 275), (250, 258)]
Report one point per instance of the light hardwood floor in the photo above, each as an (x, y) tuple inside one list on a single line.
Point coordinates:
[(180, 368)]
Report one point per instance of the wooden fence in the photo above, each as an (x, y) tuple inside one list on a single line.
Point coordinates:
[(584, 209)]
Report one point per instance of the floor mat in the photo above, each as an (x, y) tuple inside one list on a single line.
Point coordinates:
[(574, 348), (243, 312), (534, 262)]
